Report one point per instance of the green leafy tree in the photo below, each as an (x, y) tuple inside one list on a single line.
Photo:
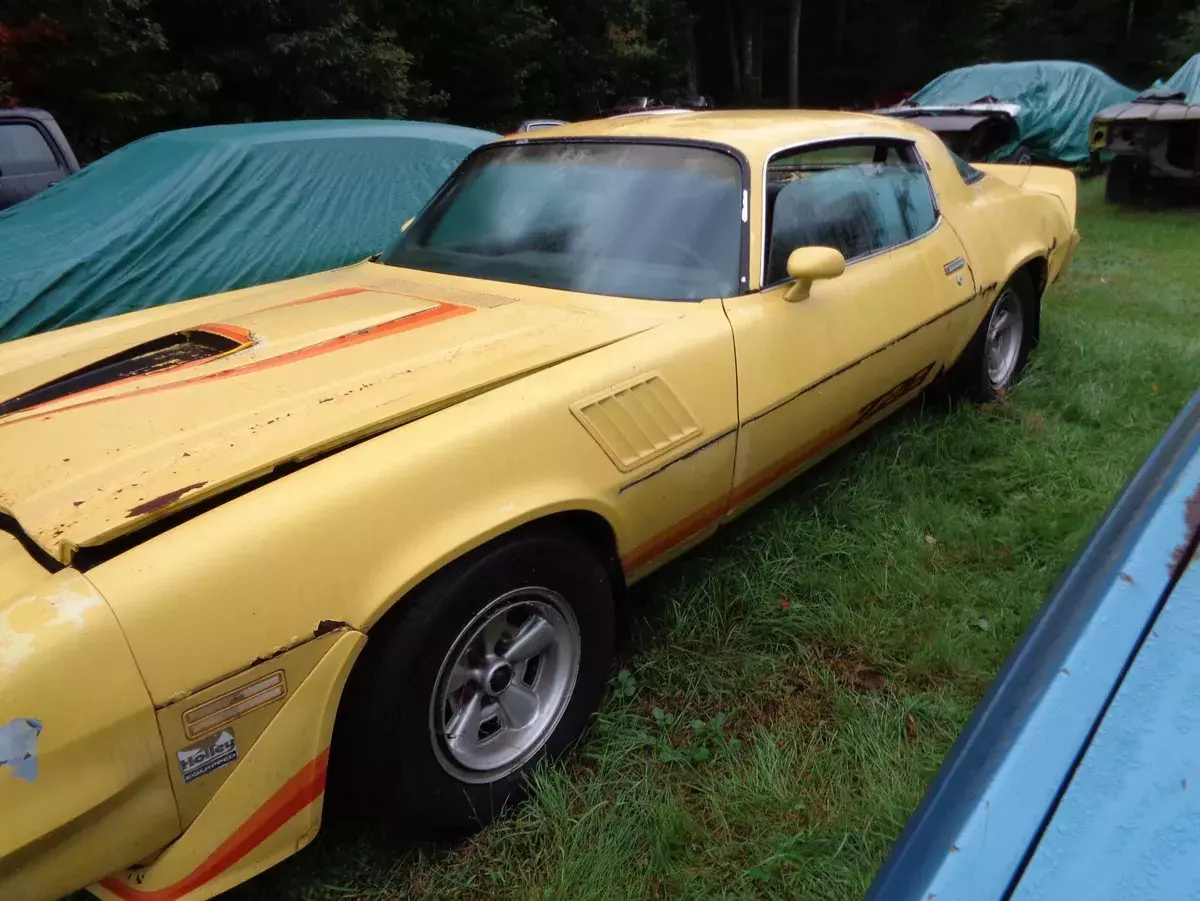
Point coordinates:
[(1185, 44), (246, 60), (96, 64)]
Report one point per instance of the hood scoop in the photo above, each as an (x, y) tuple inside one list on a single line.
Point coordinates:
[(170, 352)]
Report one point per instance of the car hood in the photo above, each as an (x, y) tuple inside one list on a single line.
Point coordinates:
[(109, 426)]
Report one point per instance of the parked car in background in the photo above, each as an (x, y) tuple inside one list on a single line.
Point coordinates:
[(1014, 112), (34, 154), (1077, 775), (671, 101), (1155, 138), (538, 124), (466, 450), (634, 105), (203, 210)]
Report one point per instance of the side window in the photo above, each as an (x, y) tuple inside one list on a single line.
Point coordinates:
[(860, 197), (24, 151)]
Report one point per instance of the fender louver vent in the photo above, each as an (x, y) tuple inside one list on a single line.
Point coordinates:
[(169, 352), (637, 421)]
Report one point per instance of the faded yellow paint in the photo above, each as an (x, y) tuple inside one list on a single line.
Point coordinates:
[(296, 664), (268, 808), (159, 442), (459, 411), (100, 796)]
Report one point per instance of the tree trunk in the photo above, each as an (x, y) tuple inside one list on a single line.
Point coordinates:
[(734, 61), (693, 79), (748, 51), (756, 87), (794, 54), (839, 30)]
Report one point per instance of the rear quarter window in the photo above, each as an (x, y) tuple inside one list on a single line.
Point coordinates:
[(966, 171)]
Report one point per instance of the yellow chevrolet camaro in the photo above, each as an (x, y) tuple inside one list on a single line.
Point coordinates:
[(393, 509)]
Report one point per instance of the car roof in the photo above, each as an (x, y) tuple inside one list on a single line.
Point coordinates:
[(25, 112), (756, 133)]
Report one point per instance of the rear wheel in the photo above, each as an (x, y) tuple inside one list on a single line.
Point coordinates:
[(493, 665), (997, 354), (1022, 156)]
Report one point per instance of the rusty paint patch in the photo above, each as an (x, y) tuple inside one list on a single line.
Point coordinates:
[(325, 626), (163, 500), (1191, 518)]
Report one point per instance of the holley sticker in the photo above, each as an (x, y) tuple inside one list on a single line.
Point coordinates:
[(211, 754)]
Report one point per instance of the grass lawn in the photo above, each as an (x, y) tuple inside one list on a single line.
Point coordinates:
[(793, 684)]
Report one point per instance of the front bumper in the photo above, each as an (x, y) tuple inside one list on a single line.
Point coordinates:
[(84, 786)]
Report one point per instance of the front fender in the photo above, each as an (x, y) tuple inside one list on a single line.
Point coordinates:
[(343, 538), (270, 804)]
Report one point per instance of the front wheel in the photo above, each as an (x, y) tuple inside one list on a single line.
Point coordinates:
[(493, 665)]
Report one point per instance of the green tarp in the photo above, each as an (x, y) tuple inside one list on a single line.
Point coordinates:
[(1186, 81), (1058, 101), (202, 210)]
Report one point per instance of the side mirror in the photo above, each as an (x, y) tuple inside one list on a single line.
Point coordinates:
[(405, 226), (807, 264)]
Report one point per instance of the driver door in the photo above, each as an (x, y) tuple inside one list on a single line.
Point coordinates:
[(813, 373)]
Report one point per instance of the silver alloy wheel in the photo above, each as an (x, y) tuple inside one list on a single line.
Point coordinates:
[(504, 685), (1005, 334)]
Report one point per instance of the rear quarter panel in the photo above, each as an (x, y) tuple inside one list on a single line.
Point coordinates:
[(1004, 225)]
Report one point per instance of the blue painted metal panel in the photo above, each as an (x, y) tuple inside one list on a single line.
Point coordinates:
[(1128, 826), (971, 833)]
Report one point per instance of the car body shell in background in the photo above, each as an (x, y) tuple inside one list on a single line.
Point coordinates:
[(1159, 131), (1056, 101)]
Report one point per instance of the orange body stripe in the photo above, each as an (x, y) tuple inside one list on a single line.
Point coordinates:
[(232, 332), (292, 797), (382, 330), (674, 535), (781, 469), (680, 532), (677, 534), (328, 295)]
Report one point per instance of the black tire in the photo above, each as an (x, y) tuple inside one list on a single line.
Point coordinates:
[(971, 373), (1022, 156), (385, 742), (1125, 183)]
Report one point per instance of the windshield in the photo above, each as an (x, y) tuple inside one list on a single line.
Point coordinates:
[(647, 221)]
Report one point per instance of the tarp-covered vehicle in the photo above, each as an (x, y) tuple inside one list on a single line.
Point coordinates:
[(203, 210), (1156, 137), (1015, 112)]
